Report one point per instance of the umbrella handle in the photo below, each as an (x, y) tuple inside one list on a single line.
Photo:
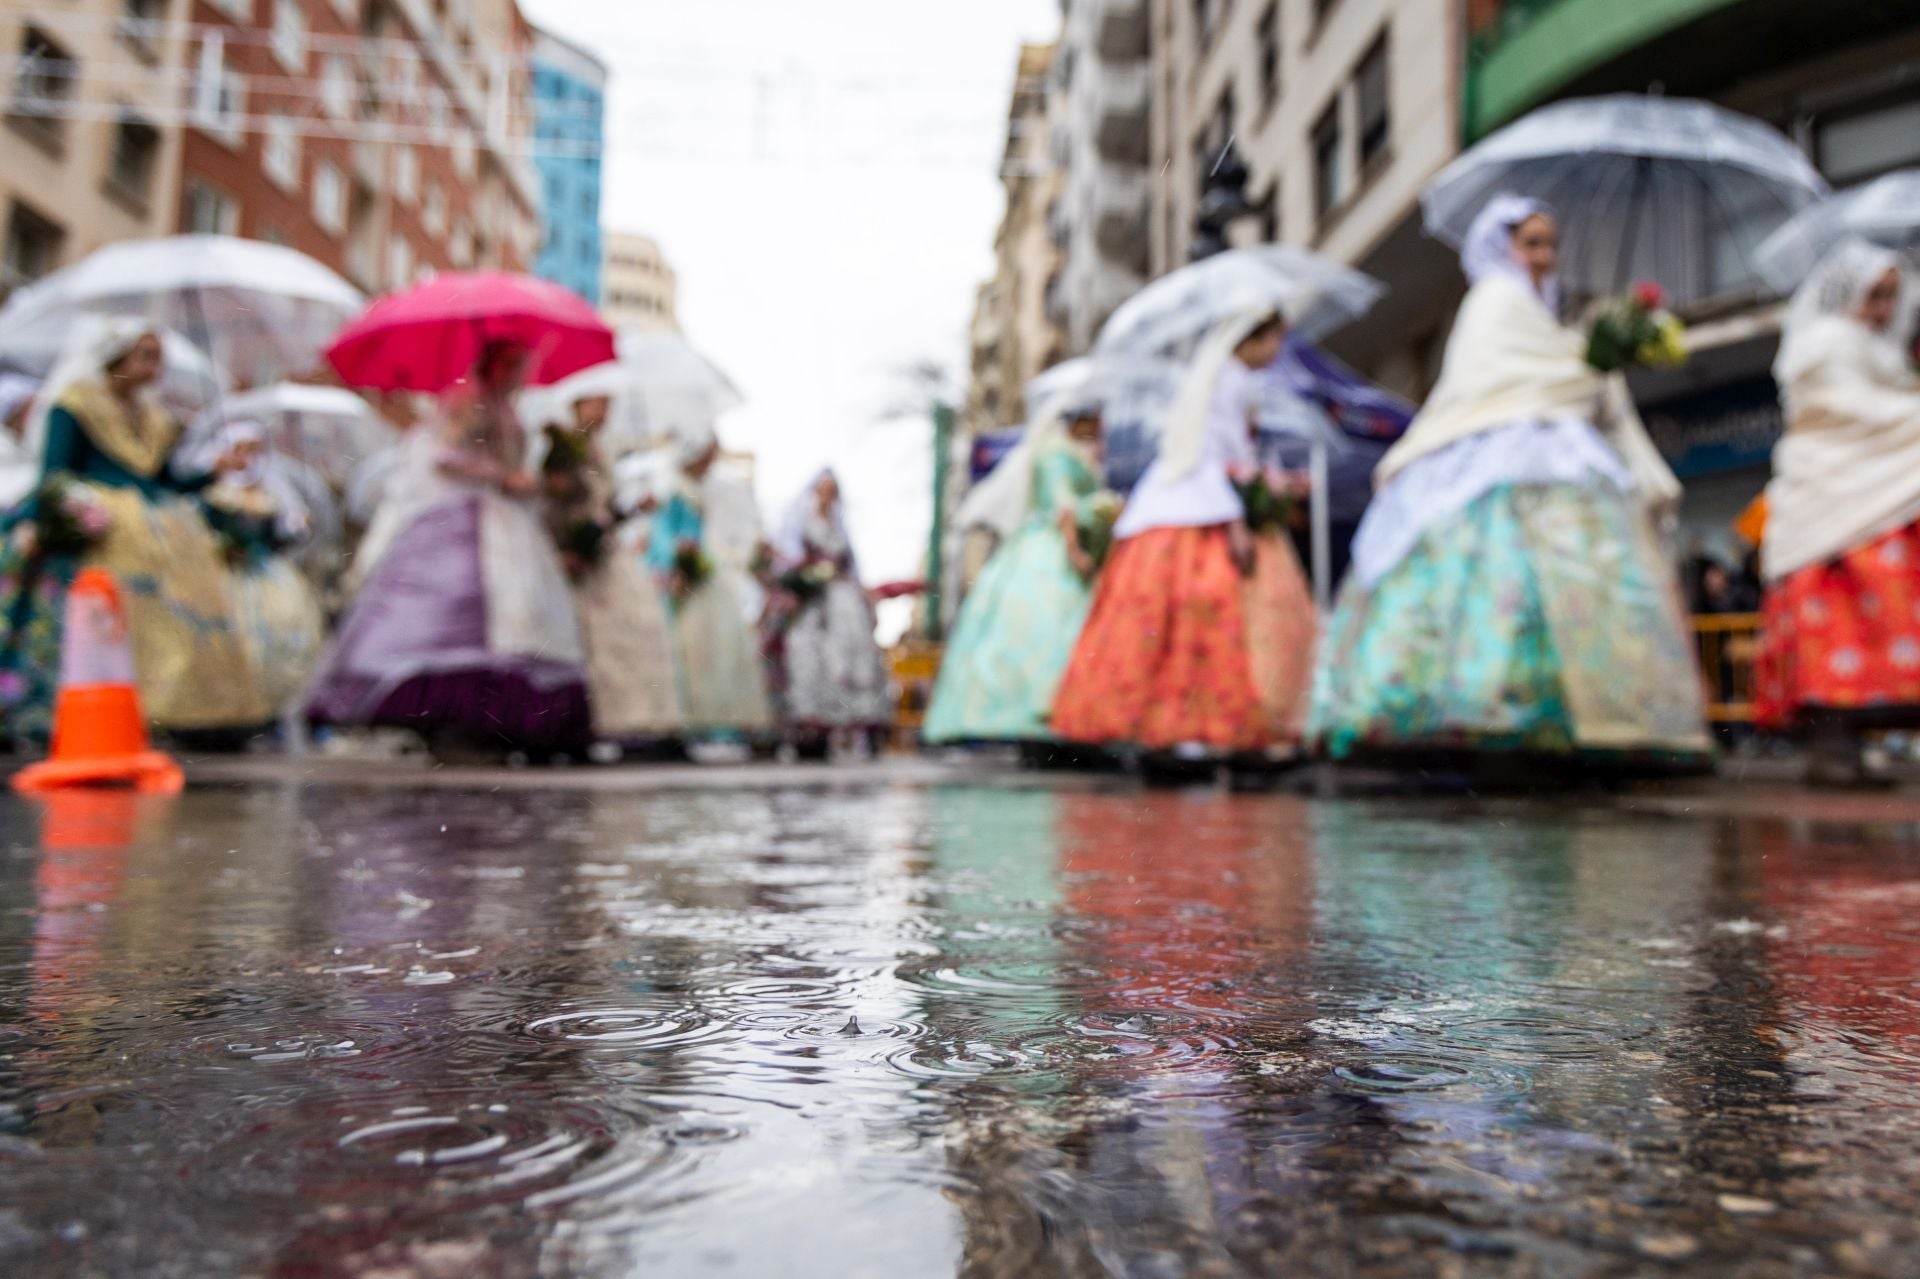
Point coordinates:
[(1322, 517)]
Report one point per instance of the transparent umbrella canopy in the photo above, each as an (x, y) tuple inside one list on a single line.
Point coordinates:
[(326, 429), (190, 379), (660, 383), (263, 311), (1885, 211), (1168, 317), (1648, 188)]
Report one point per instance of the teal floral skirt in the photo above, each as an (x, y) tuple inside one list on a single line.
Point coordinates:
[(1011, 644), (1542, 619), (33, 594)]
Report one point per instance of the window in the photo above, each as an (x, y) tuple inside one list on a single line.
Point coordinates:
[(220, 101), (461, 250), (347, 9), (1270, 215), (33, 245), (1329, 175), (1370, 90), (406, 174), (210, 211), (136, 152), (140, 26), (1321, 8), (337, 92), (399, 261), (1269, 42), (290, 36), (329, 198), (241, 9), (1867, 144), (280, 152), (43, 82), (465, 158), (434, 215)]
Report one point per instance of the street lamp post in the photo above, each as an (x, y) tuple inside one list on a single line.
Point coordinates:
[(936, 537)]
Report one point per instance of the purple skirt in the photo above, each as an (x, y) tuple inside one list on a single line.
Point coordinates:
[(412, 651)]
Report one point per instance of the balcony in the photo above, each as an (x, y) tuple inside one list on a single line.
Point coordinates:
[(1118, 101), (1525, 52), (1122, 198), (1121, 31)]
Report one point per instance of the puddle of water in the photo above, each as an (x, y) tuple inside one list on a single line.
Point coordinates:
[(953, 1031)]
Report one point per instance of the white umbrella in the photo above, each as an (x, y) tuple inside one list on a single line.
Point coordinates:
[(326, 428), (1885, 211), (261, 309), (1168, 317), (1666, 189), (660, 383), (190, 379)]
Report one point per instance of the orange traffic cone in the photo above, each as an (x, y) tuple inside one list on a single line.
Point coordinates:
[(99, 735)]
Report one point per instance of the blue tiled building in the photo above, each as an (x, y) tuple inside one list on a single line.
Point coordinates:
[(569, 105)]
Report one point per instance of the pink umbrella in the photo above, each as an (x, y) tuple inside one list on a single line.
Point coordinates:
[(429, 337)]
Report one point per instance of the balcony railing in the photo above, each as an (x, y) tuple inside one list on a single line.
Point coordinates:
[(1121, 32), (1118, 101)]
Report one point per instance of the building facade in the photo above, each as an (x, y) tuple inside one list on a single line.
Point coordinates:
[(569, 104), (1341, 111), (1099, 107), (385, 138), (1018, 328), (90, 147), (639, 289)]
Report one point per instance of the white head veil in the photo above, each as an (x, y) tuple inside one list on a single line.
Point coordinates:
[(98, 347), (790, 538), (1002, 501), (1488, 250), (1186, 436), (1835, 290), (16, 389)]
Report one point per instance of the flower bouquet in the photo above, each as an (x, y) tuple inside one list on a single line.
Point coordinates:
[(809, 581), (1270, 501), (1096, 529), (68, 521), (1636, 329), (584, 542), (691, 566)]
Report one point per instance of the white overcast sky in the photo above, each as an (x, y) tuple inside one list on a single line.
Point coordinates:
[(823, 174)]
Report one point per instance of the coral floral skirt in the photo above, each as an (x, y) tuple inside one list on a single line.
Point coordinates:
[(1180, 649), (1844, 636)]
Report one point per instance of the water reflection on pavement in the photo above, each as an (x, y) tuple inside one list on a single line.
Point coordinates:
[(967, 1030)]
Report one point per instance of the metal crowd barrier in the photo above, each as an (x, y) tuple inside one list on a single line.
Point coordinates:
[(1727, 643)]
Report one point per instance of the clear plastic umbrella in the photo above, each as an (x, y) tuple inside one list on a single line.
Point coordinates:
[(1885, 211), (325, 428), (660, 383), (1665, 189), (190, 379), (262, 310), (1169, 316)]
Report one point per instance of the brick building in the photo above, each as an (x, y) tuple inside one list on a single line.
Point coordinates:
[(386, 138)]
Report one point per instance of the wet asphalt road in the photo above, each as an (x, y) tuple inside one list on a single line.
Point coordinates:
[(925, 1024)]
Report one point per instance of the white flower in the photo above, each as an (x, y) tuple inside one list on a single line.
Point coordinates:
[(1847, 662), (1905, 653)]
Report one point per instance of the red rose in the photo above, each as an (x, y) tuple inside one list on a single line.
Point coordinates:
[(1649, 295)]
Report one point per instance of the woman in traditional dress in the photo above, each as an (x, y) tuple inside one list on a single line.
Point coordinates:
[(1840, 652), (1195, 623), (1017, 629), (461, 625), (257, 516), (832, 675), (702, 541), (632, 685), (99, 432), (1508, 591)]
